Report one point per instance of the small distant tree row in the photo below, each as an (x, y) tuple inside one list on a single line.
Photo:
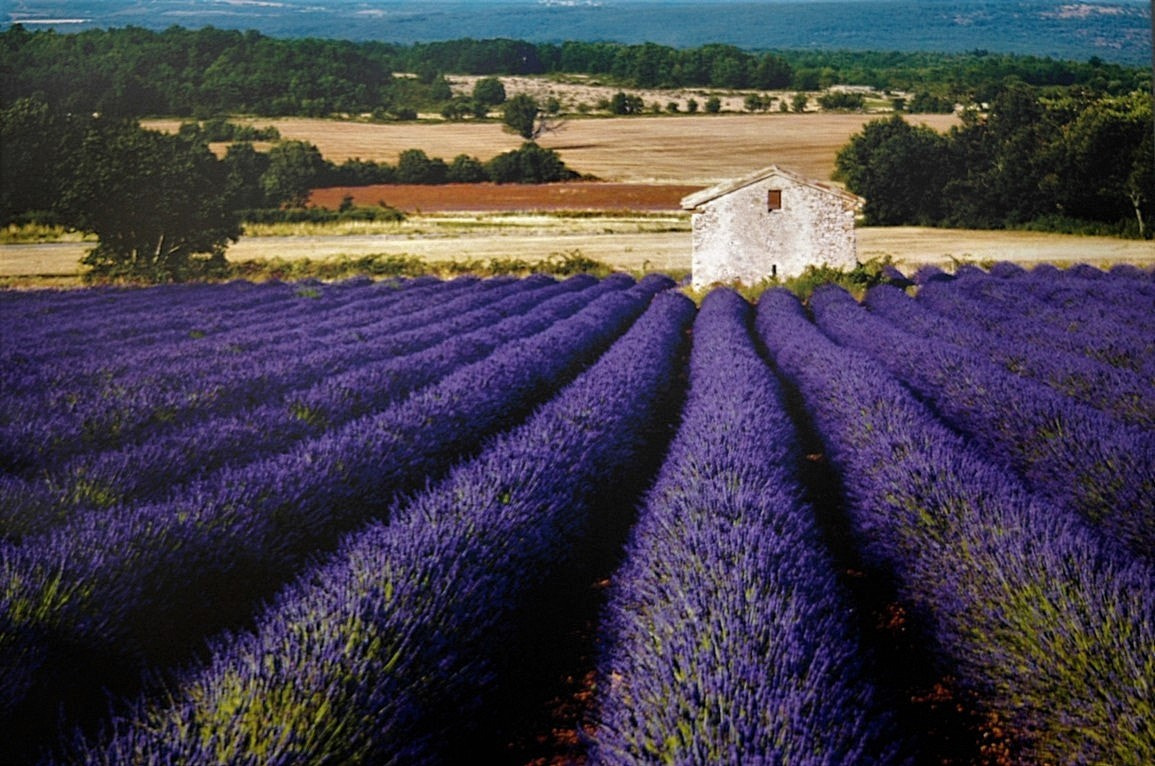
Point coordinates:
[(219, 129), (292, 169), (623, 103), (842, 101)]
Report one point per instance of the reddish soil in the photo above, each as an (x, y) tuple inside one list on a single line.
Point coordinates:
[(578, 196)]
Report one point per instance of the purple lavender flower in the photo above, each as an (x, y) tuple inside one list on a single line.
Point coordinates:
[(384, 653), (1028, 606), (728, 636), (144, 585)]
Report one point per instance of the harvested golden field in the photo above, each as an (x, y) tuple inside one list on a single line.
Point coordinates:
[(710, 148), (664, 149)]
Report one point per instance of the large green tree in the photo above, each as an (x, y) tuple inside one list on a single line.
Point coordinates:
[(37, 152), (489, 92), (520, 116), (156, 203), (898, 168), (1083, 162), (294, 169), (1104, 155)]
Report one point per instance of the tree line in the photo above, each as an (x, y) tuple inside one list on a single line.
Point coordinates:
[(164, 206), (133, 72), (1080, 162), (208, 72)]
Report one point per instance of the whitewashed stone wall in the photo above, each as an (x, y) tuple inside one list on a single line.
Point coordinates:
[(737, 239)]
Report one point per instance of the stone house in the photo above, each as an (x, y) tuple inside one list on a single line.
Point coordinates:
[(771, 223)]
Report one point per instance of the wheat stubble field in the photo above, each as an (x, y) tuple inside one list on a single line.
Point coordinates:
[(657, 157), (662, 149)]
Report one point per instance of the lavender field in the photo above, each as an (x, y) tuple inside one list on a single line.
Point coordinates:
[(580, 520)]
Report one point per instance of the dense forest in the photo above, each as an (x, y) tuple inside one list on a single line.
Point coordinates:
[(1077, 163), (206, 72)]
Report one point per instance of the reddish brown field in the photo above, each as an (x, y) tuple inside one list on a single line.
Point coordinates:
[(578, 196)]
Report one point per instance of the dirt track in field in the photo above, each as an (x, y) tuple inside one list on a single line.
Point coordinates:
[(624, 246)]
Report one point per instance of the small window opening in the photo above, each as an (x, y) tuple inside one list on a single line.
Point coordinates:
[(774, 271), (774, 199)]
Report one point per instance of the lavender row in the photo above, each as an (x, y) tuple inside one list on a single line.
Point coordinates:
[(729, 637), (102, 340), (1003, 302), (143, 585), (1060, 296), (186, 390), (1087, 286), (1083, 290), (393, 650), (179, 314), (72, 383), (145, 471), (1072, 454), (1119, 392), (84, 373), (1026, 605), (65, 319), (102, 367), (1086, 302), (1137, 275)]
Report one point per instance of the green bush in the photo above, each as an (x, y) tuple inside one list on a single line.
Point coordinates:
[(530, 164), (841, 101)]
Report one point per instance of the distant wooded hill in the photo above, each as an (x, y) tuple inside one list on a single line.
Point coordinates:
[(1113, 30)]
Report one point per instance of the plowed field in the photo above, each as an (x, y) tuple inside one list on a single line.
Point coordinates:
[(512, 197)]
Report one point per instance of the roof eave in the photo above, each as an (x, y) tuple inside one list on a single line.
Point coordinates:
[(706, 196)]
